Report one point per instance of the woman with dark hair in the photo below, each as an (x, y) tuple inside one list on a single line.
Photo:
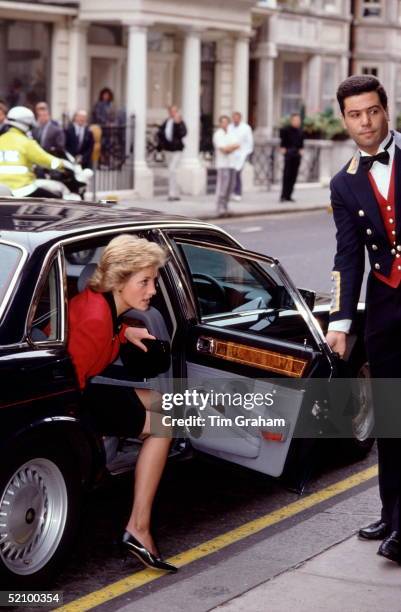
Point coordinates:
[(124, 278), (103, 112)]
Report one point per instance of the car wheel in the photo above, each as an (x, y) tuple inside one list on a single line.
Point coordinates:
[(39, 497), (362, 424)]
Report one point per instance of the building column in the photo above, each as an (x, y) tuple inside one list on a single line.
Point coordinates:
[(137, 69), (314, 85), (241, 74), (78, 96), (267, 54), (193, 178)]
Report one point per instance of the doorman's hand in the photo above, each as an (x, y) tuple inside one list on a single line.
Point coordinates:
[(337, 340)]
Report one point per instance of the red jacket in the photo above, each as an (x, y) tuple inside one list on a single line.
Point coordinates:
[(94, 336)]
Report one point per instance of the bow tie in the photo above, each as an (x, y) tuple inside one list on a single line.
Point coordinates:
[(368, 160), (383, 157)]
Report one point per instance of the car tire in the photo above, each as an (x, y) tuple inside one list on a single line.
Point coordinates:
[(358, 447), (39, 509)]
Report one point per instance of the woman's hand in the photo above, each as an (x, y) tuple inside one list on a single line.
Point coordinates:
[(136, 335)]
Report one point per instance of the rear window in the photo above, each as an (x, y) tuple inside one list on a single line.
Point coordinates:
[(10, 257)]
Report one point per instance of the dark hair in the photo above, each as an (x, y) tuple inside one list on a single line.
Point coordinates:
[(106, 90), (359, 84)]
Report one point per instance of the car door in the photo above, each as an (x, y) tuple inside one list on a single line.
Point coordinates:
[(255, 337)]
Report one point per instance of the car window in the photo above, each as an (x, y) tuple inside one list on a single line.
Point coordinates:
[(239, 293), (10, 256), (46, 320), (224, 283)]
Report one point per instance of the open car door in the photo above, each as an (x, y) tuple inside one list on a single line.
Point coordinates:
[(254, 337)]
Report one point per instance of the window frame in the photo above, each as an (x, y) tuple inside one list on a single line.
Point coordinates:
[(51, 259), (296, 296)]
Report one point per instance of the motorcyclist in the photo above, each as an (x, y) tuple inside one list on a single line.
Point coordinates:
[(19, 153)]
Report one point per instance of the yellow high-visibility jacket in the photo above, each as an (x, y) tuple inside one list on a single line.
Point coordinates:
[(18, 154)]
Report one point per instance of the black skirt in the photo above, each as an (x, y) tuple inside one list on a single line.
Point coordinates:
[(113, 410)]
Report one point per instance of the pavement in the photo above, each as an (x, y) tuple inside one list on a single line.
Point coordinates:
[(315, 565), (307, 196), (349, 577)]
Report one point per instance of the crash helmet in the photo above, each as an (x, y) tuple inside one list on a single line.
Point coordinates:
[(21, 118)]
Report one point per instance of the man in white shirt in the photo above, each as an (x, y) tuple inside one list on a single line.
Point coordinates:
[(243, 134), (366, 201), (225, 145)]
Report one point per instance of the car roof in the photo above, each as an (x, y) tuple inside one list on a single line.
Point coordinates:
[(37, 221)]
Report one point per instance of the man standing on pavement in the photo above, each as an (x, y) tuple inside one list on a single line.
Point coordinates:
[(243, 134), (48, 133), (79, 139), (170, 136), (291, 145), (225, 145), (366, 201)]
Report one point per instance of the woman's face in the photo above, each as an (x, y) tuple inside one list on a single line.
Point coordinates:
[(137, 290)]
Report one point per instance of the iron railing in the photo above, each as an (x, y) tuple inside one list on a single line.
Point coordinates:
[(114, 169)]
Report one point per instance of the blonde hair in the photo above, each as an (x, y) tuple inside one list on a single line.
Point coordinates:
[(123, 256)]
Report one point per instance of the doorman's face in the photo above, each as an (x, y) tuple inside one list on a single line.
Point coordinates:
[(366, 120)]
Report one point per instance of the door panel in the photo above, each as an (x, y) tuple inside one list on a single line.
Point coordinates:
[(256, 335)]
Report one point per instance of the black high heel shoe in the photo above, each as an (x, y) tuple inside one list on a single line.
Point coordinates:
[(133, 546)]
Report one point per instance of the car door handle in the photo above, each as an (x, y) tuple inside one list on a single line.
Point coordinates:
[(205, 345)]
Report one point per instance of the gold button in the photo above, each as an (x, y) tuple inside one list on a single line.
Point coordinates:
[(391, 220), (398, 255), (377, 266), (374, 247), (361, 213), (393, 251), (388, 207), (369, 232), (399, 267), (393, 232), (398, 247)]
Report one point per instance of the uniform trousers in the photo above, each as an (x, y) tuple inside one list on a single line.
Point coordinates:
[(383, 345)]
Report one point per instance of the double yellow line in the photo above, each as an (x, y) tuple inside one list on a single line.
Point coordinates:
[(211, 546)]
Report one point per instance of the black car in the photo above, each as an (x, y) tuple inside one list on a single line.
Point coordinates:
[(233, 319)]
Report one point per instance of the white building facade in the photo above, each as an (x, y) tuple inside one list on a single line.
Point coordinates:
[(265, 59)]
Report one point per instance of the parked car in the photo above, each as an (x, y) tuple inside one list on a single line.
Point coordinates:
[(233, 318)]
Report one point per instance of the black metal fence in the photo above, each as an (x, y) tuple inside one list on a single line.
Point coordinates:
[(268, 163), (115, 167)]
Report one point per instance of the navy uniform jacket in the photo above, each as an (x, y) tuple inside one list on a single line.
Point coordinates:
[(359, 225)]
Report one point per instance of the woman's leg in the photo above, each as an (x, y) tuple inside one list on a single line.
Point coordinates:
[(149, 468)]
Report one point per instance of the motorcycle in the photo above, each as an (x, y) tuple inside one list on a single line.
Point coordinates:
[(69, 184)]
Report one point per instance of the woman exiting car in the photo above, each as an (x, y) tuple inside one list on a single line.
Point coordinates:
[(124, 278)]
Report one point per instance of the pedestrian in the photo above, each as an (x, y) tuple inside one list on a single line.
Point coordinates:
[(48, 133), (103, 112), (3, 118), (79, 139), (124, 278), (225, 145), (291, 145), (365, 197), (243, 134), (170, 137)]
